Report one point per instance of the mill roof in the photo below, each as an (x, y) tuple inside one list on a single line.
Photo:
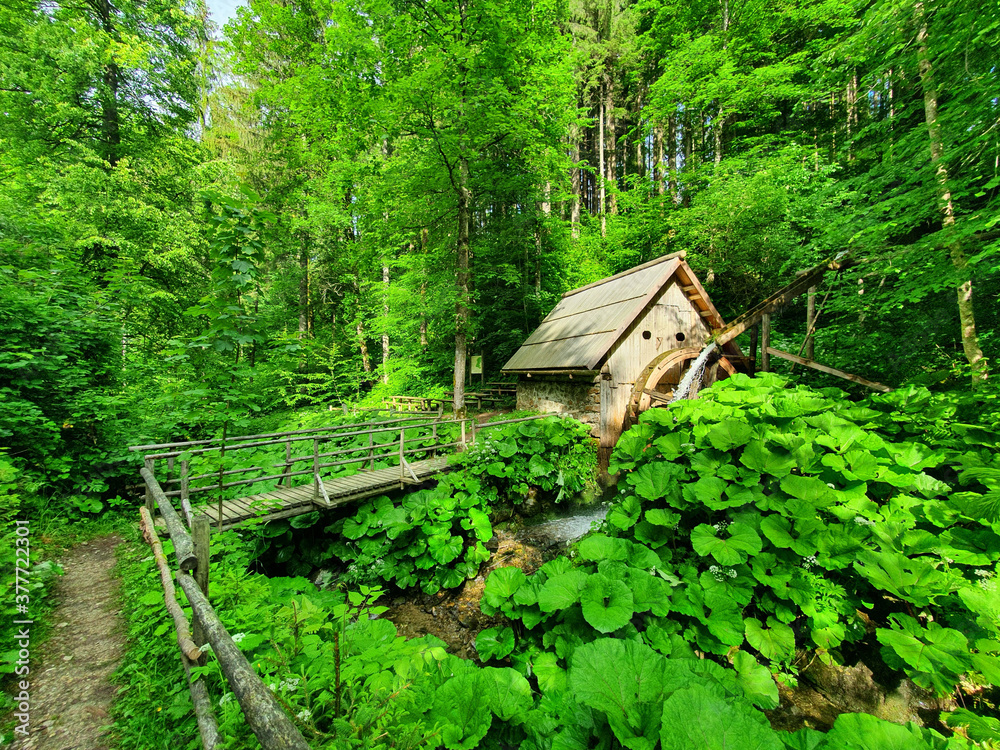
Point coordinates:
[(587, 322)]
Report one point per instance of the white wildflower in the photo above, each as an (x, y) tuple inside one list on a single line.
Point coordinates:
[(862, 521), (808, 562), (227, 698), (304, 715), (237, 637)]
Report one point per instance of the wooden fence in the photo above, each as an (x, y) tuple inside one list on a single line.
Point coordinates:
[(190, 537)]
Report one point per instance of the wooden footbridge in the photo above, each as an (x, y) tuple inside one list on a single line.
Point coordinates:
[(261, 476)]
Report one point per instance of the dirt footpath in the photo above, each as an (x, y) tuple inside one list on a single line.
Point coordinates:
[(71, 690)]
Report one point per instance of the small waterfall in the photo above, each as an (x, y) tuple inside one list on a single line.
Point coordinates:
[(695, 371)]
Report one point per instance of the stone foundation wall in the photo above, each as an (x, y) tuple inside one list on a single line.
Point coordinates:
[(580, 397)]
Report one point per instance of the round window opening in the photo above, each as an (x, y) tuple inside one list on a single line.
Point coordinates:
[(680, 337), (647, 335)]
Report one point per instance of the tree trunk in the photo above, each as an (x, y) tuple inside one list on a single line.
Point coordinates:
[(574, 176), (303, 286), (601, 172), (423, 291), (671, 157), (110, 122), (612, 144), (966, 316), (462, 282), (385, 324), (658, 160), (366, 361)]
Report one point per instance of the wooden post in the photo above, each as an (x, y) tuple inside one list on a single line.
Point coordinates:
[(315, 468), (170, 467), (288, 463), (183, 547), (186, 493), (810, 322), (753, 350), (462, 446), (402, 434), (200, 535), (765, 342), (434, 440), (150, 465), (371, 450)]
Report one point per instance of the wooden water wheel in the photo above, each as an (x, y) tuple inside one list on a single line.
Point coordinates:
[(655, 385)]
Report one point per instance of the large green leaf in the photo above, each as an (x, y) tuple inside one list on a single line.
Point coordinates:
[(627, 681), (507, 693), (776, 641), (655, 479), (562, 591), (699, 718), (866, 732), (741, 541), (462, 709), (607, 604), (756, 681), (913, 579), (934, 657), (494, 643), (599, 547), (501, 585), (729, 434), (772, 460)]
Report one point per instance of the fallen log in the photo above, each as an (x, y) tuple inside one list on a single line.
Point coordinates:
[(184, 641)]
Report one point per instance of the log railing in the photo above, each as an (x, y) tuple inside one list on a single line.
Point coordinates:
[(267, 720), (265, 716)]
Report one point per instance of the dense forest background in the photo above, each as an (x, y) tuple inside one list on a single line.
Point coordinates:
[(331, 199)]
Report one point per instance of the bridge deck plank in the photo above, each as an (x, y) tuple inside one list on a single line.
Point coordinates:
[(285, 502)]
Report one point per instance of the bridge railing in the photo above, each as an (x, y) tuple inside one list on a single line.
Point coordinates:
[(269, 722), (308, 454)]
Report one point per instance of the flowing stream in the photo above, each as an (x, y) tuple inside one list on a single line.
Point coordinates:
[(569, 527)]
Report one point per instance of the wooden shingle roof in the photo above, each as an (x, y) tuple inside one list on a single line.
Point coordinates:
[(582, 328)]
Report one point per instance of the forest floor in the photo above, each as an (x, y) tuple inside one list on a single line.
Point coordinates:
[(454, 616), (71, 692)]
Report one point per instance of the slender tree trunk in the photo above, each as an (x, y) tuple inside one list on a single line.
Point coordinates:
[(366, 361), (110, 121), (423, 291), (574, 176), (658, 160), (718, 130), (671, 157), (810, 349), (612, 144), (385, 323), (967, 320), (462, 282), (601, 172), (303, 286)]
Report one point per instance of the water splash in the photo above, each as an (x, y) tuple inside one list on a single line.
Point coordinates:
[(568, 528), (695, 371)]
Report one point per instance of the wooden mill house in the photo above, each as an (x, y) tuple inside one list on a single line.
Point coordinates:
[(610, 349)]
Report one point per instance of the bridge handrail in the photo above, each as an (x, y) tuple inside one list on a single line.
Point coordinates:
[(267, 719), (232, 443)]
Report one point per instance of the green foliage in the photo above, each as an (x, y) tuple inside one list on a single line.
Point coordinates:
[(756, 523), (554, 455)]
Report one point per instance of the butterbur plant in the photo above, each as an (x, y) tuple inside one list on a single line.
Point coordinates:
[(553, 454), (786, 512)]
